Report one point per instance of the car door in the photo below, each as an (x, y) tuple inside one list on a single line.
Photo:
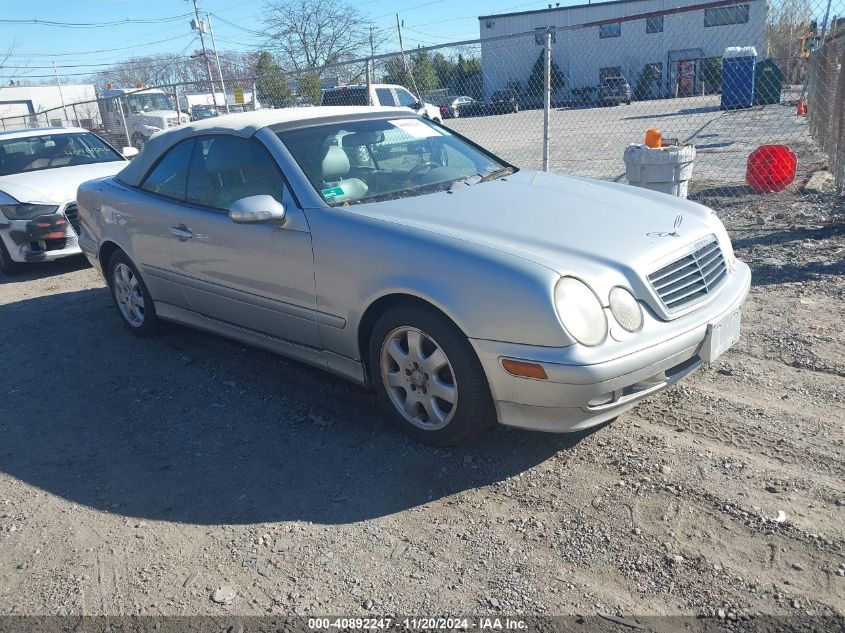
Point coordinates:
[(256, 276), (150, 215)]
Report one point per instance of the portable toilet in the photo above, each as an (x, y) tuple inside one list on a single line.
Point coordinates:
[(768, 82), (738, 77)]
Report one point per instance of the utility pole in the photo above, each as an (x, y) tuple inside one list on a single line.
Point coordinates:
[(61, 95), (405, 61), (217, 57), (199, 25), (369, 64)]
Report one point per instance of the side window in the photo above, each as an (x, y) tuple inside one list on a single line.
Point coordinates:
[(405, 97), (227, 168), (170, 175), (385, 97)]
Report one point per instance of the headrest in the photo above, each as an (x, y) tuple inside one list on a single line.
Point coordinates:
[(224, 156), (335, 163)]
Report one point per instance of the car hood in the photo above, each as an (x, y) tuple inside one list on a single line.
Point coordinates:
[(57, 185), (569, 224)]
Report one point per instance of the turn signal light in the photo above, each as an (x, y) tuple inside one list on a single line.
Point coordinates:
[(523, 369)]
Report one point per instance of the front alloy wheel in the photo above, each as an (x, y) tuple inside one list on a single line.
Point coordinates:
[(428, 376), (418, 378)]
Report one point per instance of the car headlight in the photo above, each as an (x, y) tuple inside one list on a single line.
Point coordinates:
[(580, 311), (626, 309), (27, 211)]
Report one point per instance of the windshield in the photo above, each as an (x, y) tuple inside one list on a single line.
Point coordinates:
[(367, 161), (147, 101), (49, 151)]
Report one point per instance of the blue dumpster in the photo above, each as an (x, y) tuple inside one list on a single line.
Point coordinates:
[(738, 77)]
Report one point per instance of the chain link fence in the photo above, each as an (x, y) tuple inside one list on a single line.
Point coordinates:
[(827, 98), (566, 98)]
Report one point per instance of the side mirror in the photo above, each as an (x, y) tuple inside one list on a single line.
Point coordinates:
[(129, 152), (257, 209)]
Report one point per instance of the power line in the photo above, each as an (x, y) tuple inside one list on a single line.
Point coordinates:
[(240, 28), (93, 25), (102, 50)]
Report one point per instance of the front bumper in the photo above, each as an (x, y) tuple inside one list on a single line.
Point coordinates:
[(579, 395), (44, 238)]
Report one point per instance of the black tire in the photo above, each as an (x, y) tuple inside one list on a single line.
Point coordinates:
[(474, 412), (7, 265), (150, 323)]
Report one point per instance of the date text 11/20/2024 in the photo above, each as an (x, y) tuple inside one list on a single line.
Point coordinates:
[(419, 623)]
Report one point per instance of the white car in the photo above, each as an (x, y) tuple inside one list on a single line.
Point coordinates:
[(389, 95), (40, 171)]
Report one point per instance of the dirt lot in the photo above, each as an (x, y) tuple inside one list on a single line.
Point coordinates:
[(140, 476)]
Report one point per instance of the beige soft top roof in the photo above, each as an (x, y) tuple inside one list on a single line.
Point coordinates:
[(243, 124)]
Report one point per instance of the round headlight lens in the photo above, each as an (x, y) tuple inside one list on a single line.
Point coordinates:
[(580, 311), (626, 310)]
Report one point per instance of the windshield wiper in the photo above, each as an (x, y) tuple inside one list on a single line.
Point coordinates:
[(466, 180), (497, 173)]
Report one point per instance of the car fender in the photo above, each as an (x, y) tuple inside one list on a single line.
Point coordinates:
[(487, 293)]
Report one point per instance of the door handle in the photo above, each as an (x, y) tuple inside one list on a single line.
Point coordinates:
[(182, 232)]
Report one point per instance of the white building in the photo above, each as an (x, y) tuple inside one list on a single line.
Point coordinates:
[(22, 105), (671, 40)]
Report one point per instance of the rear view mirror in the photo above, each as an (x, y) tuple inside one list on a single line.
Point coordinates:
[(357, 139), (129, 152), (257, 209)]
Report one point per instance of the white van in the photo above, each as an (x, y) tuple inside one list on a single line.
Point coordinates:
[(392, 95)]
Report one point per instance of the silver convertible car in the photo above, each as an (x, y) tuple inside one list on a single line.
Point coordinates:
[(390, 250)]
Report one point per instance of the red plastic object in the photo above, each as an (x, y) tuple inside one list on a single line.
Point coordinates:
[(771, 168)]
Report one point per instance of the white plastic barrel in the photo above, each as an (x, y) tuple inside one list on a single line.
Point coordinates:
[(663, 169)]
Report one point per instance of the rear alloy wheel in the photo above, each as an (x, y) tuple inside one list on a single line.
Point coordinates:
[(429, 377), (7, 265), (131, 297)]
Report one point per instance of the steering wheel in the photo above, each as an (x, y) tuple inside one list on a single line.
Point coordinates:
[(423, 168)]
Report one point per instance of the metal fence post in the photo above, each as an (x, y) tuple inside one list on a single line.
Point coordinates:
[(369, 79), (176, 102), (547, 96), (123, 118)]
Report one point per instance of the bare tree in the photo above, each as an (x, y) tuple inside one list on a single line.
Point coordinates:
[(787, 22), (308, 34), (4, 57), (153, 70)]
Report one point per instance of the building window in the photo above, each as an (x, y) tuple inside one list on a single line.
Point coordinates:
[(654, 24), (610, 30), (609, 71), (723, 16)]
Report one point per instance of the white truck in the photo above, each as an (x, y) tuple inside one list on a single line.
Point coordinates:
[(380, 95), (137, 114)]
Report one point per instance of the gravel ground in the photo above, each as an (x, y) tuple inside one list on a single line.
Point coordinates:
[(149, 476)]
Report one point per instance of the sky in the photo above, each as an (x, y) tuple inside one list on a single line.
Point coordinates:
[(81, 50)]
